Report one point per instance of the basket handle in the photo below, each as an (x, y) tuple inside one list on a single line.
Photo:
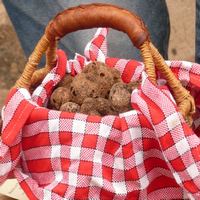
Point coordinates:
[(103, 15), (98, 15)]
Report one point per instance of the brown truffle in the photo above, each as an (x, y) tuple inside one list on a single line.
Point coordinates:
[(94, 112), (106, 78), (88, 105), (103, 106), (70, 107), (105, 73), (95, 81), (116, 76), (66, 81), (59, 96), (97, 105), (120, 98), (81, 88), (91, 68)]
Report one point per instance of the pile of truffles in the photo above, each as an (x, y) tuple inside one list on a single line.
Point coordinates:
[(97, 90)]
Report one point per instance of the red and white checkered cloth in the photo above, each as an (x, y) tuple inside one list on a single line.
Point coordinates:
[(147, 153)]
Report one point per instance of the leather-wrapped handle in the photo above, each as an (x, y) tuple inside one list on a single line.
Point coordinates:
[(97, 15)]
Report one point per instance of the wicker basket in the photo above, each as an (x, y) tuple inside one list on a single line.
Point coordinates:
[(100, 15), (38, 144)]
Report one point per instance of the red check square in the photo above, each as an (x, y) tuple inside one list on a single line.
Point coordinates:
[(106, 194), (39, 166), (65, 138), (166, 141), (190, 186), (65, 164), (128, 150), (90, 141), (107, 173), (81, 193), (111, 147), (178, 164), (85, 168), (131, 175), (60, 189)]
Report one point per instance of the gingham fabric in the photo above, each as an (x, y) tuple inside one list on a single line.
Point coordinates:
[(147, 153)]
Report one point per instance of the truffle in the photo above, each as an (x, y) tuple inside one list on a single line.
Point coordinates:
[(116, 76), (102, 74), (94, 112), (120, 98), (103, 106), (70, 107), (99, 105), (88, 105), (66, 81), (82, 88), (59, 96), (97, 90)]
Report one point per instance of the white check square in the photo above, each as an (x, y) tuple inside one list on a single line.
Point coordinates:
[(55, 151), (144, 182), (75, 153), (128, 113), (5, 168), (193, 171), (177, 178), (73, 179), (49, 76), (98, 156), (104, 130), (120, 187), (25, 93), (173, 121), (39, 90), (182, 146), (78, 126), (96, 181), (118, 163), (139, 157), (58, 176), (47, 194), (135, 133), (54, 125)]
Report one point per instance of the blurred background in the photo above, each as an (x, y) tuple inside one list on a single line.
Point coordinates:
[(12, 58)]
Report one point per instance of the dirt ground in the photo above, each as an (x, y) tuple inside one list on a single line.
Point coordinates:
[(12, 58), (182, 34), (181, 47)]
